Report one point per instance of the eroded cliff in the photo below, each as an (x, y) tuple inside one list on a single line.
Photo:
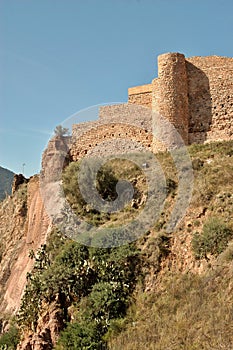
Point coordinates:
[(23, 226)]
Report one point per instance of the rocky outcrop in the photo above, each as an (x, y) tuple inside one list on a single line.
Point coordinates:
[(47, 331), (18, 180), (23, 226), (55, 158)]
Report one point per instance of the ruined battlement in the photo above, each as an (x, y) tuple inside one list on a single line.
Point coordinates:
[(194, 94)]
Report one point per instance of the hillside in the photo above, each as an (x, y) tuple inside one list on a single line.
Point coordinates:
[(164, 291), (6, 178)]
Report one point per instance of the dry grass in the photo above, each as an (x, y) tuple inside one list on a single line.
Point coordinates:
[(188, 312)]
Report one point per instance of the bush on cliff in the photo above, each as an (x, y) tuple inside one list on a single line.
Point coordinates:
[(10, 339), (213, 239), (97, 282)]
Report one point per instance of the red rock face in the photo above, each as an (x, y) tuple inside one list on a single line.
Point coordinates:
[(23, 226), (47, 331)]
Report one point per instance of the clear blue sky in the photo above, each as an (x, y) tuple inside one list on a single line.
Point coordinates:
[(60, 56)]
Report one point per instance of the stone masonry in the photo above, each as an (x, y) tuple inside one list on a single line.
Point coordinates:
[(194, 94), (117, 124)]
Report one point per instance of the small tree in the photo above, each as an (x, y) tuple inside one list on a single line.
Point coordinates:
[(60, 131)]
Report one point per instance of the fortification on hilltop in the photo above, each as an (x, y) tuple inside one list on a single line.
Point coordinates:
[(194, 94)]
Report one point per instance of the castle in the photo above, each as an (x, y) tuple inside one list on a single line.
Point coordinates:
[(194, 94)]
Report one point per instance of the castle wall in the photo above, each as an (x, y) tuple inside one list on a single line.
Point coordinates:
[(99, 138), (116, 122), (210, 88), (194, 94), (141, 95), (132, 114)]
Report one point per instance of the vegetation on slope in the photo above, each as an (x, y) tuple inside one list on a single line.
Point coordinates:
[(189, 306), (160, 292), (97, 283), (107, 178), (185, 312), (10, 339)]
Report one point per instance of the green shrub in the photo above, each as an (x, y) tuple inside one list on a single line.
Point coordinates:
[(104, 184), (97, 282), (69, 276), (106, 302), (81, 336), (10, 339), (213, 239)]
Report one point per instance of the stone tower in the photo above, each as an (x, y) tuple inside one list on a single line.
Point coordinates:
[(170, 92)]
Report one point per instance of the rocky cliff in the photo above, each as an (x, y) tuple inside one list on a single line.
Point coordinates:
[(23, 226)]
